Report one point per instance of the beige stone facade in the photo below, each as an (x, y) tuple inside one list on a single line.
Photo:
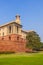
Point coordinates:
[(13, 27)]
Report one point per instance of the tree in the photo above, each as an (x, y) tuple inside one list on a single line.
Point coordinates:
[(41, 45), (33, 40)]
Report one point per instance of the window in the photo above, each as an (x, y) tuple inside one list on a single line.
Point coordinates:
[(2, 38), (9, 38), (9, 29), (3, 33), (18, 38), (17, 29)]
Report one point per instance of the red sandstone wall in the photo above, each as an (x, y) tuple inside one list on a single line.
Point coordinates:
[(12, 44)]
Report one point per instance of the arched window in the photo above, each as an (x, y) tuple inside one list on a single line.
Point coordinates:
[(18, 38), (2, 38), (9, 38)]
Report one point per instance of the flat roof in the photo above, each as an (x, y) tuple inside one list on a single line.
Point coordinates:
[(24, 31)]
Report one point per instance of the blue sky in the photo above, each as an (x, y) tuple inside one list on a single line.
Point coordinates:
[(31, 12)]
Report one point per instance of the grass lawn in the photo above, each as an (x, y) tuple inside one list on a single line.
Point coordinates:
[(22, 59)]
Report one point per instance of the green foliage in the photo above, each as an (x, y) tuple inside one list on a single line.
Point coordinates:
[(7, 52), (41, 46), (33, 40)]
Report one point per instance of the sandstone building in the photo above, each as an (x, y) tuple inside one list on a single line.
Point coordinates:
[(12, 37)]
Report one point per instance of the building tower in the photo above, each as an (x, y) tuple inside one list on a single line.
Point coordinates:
[(17, 19)]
